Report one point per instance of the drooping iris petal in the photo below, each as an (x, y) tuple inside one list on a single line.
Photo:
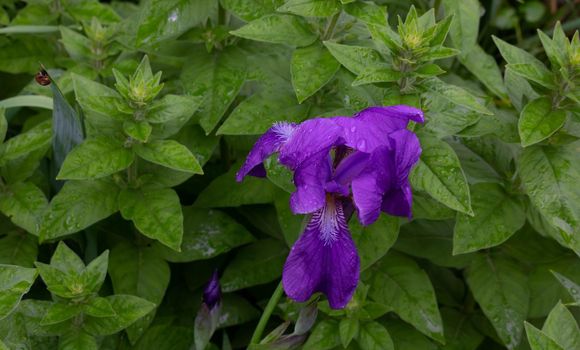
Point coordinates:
[(369, 129), (352, 165), (269, 143), (310, 179), (370, 186), (398, 202), (324, 259), (310, 138), (407, 150)]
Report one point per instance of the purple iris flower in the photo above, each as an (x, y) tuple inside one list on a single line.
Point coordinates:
[(363, 160), (212, 293)]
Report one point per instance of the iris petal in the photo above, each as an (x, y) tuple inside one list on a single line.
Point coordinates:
[(324, 259), (310, 180), (269, 143)]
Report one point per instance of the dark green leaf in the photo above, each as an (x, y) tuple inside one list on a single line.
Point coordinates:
[(375, 240), (170, 154), (128, 309), (312, 67), (324, 336), (15, 281), (311, 8), (22, 144), (25, 204), (373, 336), (354, 58), (538, 121), (278, 29), (539, 340), (348, 329), (562, 328)]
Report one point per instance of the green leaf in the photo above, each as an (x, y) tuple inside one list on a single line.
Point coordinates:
[(278, 29), (24, 204), (439, 173), (77, 340), (224, 191), (539, 340), (100, 99), (155, 212), (218, 78), (206, 233), (59, 312), (76, 45), (258, 263), (94, 274), (377, 75), (160, 20), (166, 336), (538, 121), (375, 240), (373, 336), (500, 287), (28, 29), (249, 10), (95, 158), (455, 95), (557, 55), (3, 125), (526, 65), (236, 310), (496, 217), (460, 332), (534, 73), (348, 329), (354, 58), (22, 56), (465, 24), (368, 12), (137, 130), (399, 283), (562, 328), (428, 70), (311, 8), (15, 281), (312, 67), (142, 272), (550, 177), (98, 307), (78, 205), (485, 68), (27, 101), (324, 336), (170, 154), (36, 138), (256, 114), (18, 248), (171, 107), (571, 286), (128, 309), (406, 337)]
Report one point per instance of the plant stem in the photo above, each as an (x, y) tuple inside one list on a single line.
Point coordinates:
[(267, 313), (132, 173), (330, 28)]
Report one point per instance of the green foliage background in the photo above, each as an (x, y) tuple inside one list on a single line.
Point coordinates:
[(117, 191)]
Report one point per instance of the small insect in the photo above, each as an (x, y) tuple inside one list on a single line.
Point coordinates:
[(42, 77)]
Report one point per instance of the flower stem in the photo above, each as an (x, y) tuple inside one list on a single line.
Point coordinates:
[(330, 29), (267, 313)]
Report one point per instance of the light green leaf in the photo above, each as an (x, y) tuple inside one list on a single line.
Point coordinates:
[(531, 68), (348, 329), (562, 328), (128, 309), (206, 233), (27, 101), (137, 130), (550, 177), (354, 58), (368, 12), (399, 283), (95, 158), (76, 45), (78, 205), (155, 212), (218, 78), (15, 281), (312, 67), (485, 68), (278, 29), (373, 336), (374, 241), (534, 73), (499, 285), (465, 24), (94, 274), (311, 8), (59, 312), (571, 286), (539, 340), (249, 10), (324, 336), (36, 138), (258, 263), (100, 99), (24, 204), (377, 75), (142, 272), (171, 107), (440, 175), (77, 340), (496, 217), (98, 307), (455, 95), (170, 154), (28, 29), (538, 121)]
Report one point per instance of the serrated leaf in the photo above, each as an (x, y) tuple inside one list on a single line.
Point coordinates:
[(399, 283), (499, 285), (496, 217), (254, 264), (155, 212), (24, 204), (206, 233), (169, 153), (538, 121), (78, 205), (354, 58), (278, 29), (95, 158), (312, 67), (439, 173)]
